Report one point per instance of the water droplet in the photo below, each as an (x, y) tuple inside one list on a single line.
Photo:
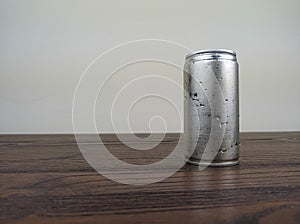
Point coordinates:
[(237, 143), (202, 105), (205, 89), (226, 100), (223, 150), (221, 78), (223, 124), (195, 94), (200, 82)]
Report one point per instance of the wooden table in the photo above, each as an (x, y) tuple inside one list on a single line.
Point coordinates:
[(45, 179)]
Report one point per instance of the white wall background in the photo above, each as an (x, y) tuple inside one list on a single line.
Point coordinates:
[(46, 45)]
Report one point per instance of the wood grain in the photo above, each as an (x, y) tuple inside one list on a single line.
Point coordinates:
[(45, 179)]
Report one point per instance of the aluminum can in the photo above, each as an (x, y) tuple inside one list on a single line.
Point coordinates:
[(211, 108)]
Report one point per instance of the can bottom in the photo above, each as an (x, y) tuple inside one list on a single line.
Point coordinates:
[(214, 163)]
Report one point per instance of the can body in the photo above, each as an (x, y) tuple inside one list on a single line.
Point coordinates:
[(211, 107)]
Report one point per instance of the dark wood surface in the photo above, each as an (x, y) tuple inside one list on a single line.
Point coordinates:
[(45, 179)]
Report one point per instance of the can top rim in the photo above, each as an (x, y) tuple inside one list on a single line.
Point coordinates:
[(211, 51)]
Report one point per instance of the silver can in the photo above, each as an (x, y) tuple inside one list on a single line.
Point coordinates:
[(211, 108)]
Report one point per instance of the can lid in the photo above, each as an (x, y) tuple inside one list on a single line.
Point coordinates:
[(211, 52)]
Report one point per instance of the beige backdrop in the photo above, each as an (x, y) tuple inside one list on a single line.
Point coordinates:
[(46, 45)]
